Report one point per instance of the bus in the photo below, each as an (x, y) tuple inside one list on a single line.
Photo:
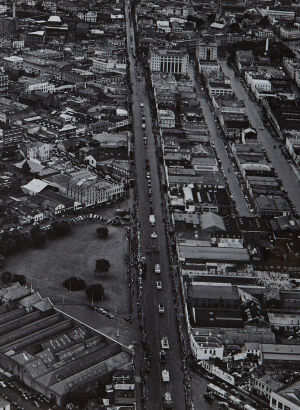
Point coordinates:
[(217, 390)]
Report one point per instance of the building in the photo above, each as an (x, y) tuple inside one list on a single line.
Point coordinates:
[(36, 38), (14, 62), (206, 347), (207, 51), (166, 118), (83, 187), (36, 150), (218, 87), (91, 16), (10, 135), (290, 33), (169, 60), (265, 385), (37, 84), (50, 351), (287, 398), (3, 84), (4, 404), (280, 355)]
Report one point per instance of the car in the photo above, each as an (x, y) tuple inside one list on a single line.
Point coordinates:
[(161, 308), (159, 285), (154, 235), (157, 268), (162, 356), (141, 105), (165, 343)]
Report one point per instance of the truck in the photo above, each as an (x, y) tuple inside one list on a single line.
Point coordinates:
[(165, 375), (152, 220)]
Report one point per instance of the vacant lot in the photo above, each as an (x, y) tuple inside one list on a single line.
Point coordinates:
[(76, 255)]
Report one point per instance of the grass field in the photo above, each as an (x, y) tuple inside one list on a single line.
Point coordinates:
[(76, 255)]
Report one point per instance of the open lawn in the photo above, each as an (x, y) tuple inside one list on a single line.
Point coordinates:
[(76, 255)]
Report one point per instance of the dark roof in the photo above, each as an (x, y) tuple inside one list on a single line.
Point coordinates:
[(212, 317)]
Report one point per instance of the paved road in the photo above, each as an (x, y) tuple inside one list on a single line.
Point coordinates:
[(156, 325), (279, 162), (217, 139)]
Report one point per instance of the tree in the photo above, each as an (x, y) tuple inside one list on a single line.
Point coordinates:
[(6, 277), (95, 292), (74, 283), (102, 265), (102, 232)]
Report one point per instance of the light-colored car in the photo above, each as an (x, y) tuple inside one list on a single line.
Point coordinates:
[(157, 268), (159, 285), (161, 308), (165, 343)]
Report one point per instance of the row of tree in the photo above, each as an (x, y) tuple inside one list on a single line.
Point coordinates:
[(94, 292), (12, 242)]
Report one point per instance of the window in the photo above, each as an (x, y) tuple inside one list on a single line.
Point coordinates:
[(280, 406)]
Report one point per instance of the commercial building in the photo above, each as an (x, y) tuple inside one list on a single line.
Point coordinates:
[(85, 188), (287, 398), (207, 51), (280, 355), (169, 60)]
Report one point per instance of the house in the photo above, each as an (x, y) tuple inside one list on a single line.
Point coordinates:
[(36, 150), (205, 347)]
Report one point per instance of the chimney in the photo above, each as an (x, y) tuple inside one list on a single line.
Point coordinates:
[(267, 45)]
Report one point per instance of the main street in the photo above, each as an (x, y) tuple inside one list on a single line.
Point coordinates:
[(284, 170), (157, 325)]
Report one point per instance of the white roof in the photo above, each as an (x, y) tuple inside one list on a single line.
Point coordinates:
[(35, 186), (13, 58), (217, 25), (54, 19), (38, 33)]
